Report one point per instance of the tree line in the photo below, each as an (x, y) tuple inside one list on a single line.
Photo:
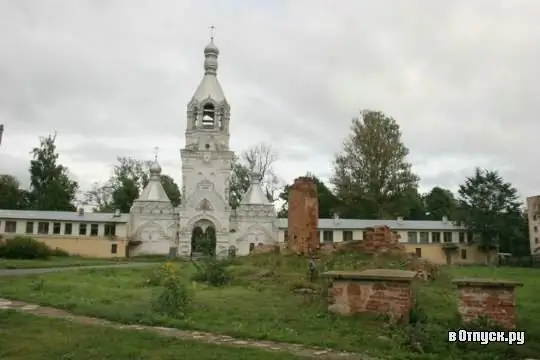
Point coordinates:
[(372, 179)]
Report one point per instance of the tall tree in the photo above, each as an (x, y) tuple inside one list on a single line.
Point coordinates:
[(329, 204), (440, 202), (488, 206), (371, 175), (12, 197), (51, 187), (129, 178), (260, 158)]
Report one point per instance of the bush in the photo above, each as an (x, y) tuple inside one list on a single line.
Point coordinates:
[(212, 271), (23, 247), (59, 253), (175, 297)]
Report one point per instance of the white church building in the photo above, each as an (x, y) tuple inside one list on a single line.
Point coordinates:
[(158, 228)]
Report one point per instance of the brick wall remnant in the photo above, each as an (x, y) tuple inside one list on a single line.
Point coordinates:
[(380, 291), (380, 239), (303, 216), (493, 299)]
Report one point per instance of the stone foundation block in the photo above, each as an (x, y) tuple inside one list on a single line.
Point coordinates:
[(380, 291), (493, 299)]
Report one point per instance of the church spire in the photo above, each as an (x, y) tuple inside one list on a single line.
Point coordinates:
[(209, 88)]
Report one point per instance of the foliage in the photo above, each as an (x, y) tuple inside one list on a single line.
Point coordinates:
[(175, 297), (371, 174), (23, 247), (212, 271), (12, 197), (488, 206), (328, 202), (440, 202), (130, 177), (50, 186)]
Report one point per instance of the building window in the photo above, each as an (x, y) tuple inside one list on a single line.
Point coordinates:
[(470, 237), (29, 227), (110, 230), (11, 226), (534, 217), (424, 237), (208, 118), (461, 237), (347, 235), (536, 240), (328, 236), (68, 228), (94, 229), (114, 248), (82, 229), (447, 237), (536, 229), (286, 236), (412, 237), (318, 236), (463, 254), (435, 237), (418, 252), (43, 227), (56, 228)]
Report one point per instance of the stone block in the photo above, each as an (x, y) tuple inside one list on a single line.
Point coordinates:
[(380, 291), (491, 298)]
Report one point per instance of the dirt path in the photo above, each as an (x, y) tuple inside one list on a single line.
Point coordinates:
[(181, 334)]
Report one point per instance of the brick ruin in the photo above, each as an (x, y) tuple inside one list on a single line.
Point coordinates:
[(493, 299), (303, 217), (380, 239), (379, 291)]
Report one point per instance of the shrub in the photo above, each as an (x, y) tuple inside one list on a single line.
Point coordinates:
[(212, 271), (175, 297), (59, 253), (23, 247)]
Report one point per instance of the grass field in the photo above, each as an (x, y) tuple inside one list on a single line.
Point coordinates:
[(28, 337), (260, 304), (52, 262)]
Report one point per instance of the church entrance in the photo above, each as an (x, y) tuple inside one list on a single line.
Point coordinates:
[(203, 239)]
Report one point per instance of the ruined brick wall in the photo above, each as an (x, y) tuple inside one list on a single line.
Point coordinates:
[(303, 217), (380, 238), (384, 295), (496, 303)]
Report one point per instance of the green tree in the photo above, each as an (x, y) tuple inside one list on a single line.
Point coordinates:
[(440, 202), (129, 178), (372, 178), (488, 206), (329, 204), (12, 197), (51, 187), (238, 183)]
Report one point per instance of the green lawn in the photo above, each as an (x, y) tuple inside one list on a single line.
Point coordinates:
[(260, 304), (28, 337), (52, 262)]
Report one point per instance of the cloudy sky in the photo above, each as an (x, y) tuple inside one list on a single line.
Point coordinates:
[(113, 78)]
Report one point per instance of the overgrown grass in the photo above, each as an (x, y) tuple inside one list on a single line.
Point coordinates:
[(28, 337), (260, 303)]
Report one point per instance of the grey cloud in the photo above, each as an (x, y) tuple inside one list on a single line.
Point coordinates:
[(458, 76)]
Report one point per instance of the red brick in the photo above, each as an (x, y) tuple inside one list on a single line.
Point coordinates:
[(303, 217)]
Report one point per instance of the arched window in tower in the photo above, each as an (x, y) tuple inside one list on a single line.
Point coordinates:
[(209, 115)]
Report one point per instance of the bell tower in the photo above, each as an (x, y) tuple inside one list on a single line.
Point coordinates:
[(206, 158)]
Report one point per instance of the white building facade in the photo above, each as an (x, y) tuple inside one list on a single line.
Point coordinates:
[(157, 228)]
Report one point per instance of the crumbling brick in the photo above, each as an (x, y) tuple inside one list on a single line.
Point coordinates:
[(303, 217), (493, 299)]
